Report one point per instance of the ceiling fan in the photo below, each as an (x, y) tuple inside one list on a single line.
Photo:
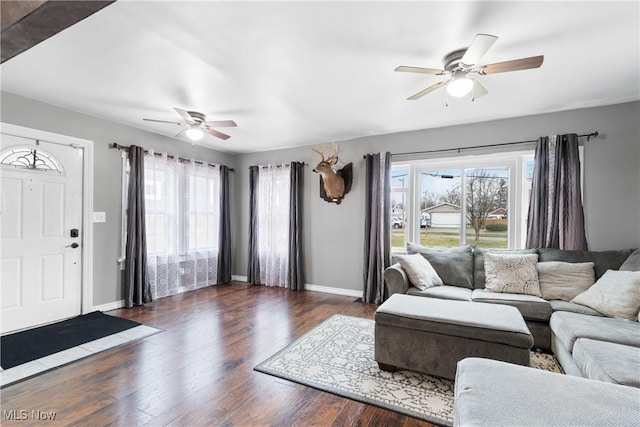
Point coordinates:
[(196, 125), (462, 65)]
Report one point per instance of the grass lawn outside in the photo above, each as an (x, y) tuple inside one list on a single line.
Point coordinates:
[(448, 237)]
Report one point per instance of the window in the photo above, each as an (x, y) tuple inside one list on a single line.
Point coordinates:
[(399, 191), (182, 207), (478, 200), (30, 158), (273, 212)]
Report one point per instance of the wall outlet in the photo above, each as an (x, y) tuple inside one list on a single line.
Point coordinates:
[(181, 271), (99, 217)]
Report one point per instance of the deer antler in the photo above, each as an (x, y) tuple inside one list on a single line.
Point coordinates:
[(317, 150)]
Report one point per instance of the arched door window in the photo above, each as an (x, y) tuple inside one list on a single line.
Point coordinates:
[(30, 158)]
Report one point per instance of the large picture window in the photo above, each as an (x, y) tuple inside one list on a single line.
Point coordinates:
[(478, 200)]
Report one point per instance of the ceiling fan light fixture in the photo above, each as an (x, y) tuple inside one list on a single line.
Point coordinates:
[(460, 85), (194, 133)]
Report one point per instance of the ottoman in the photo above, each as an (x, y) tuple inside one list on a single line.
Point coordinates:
[(431, 335)]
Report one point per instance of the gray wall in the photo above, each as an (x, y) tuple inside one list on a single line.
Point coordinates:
[(17, 110), (333, 234)]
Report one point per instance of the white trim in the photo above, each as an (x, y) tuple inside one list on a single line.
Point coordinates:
[(109, 306), (331, 290), (87, 199), (315, 288)]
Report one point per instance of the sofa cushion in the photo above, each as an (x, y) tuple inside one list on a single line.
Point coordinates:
[(479, 278), (615, 294), (604, 260), (443, 292), (453, 265), (493, 393), (632, 263), (531, 307), (559, 305), (605, 361), (420, 272), (568, 327), (512, 273), (564, 280)]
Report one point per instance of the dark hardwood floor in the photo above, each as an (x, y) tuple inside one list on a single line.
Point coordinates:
[(199, 371)]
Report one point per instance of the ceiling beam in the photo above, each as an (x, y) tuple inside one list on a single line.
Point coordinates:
[(24, 24)]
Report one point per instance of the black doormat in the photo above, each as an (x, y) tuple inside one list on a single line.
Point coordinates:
[(25, 346)]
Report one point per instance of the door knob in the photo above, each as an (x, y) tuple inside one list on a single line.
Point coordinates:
[(73, 245)]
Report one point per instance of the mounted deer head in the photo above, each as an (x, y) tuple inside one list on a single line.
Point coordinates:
[(333, 181)]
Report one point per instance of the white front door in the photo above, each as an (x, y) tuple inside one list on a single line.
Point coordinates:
[(41, 256)]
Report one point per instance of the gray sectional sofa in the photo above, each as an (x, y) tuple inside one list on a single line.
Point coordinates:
[(585, 342)]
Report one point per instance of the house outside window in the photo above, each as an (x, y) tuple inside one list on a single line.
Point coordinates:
[(480, 200)]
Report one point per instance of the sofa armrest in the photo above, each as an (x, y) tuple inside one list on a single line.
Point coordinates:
[(395, 280)]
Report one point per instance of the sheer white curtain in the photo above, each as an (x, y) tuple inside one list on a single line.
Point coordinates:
[(162, 207), (202, 215), (182, 224), (273, 224)]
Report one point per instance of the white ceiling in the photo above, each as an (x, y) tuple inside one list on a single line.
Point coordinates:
[(300, 73)]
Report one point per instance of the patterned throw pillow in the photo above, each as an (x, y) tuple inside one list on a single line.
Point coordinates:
[(420, 271), (512, 273)]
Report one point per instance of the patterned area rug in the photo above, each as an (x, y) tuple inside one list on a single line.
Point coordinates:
[(337, 357)]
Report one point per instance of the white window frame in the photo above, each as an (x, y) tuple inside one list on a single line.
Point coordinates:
[(515, 160)]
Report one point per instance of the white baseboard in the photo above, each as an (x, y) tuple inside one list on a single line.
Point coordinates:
[(315, 288), (330, 290), (109, 306)]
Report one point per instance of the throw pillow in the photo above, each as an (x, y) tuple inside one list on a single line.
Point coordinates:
[(564, 280), (478, 262), (420, 271), (603, 260), (454, 265), (632, 263), (512, 273), (615, 294)]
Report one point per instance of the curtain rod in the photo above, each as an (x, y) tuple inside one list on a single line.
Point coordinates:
[(278, 165), (444, 150), (171, 156)]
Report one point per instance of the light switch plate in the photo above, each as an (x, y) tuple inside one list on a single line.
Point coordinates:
[(99, 217)]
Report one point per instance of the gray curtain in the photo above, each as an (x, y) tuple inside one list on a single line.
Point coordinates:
[(224, 234), (253, 269), (377, 240), (556, 215), (296, 280), (136, 279)]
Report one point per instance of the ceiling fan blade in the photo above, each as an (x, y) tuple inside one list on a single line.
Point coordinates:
[(222, 123), (162, 121), (217, 134), (184, 114), (182, 133), (478, 90), (514, 65), (479, 46), (408, 69), (427, 90)]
